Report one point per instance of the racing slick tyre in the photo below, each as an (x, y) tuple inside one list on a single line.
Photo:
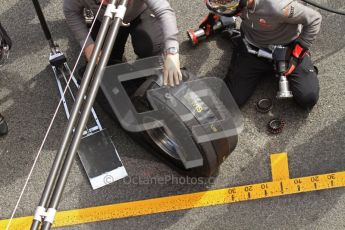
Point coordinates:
[(163, 144)]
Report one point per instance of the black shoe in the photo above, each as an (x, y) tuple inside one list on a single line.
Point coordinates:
[(3, 126)]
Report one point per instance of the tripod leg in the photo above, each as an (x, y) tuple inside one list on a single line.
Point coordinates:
[(88, 89), (60, 157)]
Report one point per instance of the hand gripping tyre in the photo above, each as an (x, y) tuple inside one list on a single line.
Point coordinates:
[(187, 125)]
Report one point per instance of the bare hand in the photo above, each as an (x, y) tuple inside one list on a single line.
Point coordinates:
[(88, 52)]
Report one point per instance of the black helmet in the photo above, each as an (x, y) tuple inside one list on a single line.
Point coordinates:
[(226, 8)]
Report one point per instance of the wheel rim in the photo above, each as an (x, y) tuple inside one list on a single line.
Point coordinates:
[(164, 141)]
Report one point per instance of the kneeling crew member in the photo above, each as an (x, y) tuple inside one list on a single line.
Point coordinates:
[(152, 28), (272, 22)]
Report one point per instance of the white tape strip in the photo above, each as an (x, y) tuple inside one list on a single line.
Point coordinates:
[(50, 215), (109, 12), (120, 12), (39, 213)]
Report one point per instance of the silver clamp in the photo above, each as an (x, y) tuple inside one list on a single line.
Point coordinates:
[(53, 56), (42, 214)]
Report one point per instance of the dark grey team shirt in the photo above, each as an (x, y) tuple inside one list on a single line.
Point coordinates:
[(73, 10), (279, 22)]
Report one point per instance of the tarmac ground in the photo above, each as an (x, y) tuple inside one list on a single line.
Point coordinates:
[(314, 140)]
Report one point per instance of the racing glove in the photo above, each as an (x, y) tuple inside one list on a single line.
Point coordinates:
[(172, 73), (296, 56)]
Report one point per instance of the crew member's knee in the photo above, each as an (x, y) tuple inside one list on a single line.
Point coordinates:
[(240, 101), (307, 100), (144, 47), (238, 96)]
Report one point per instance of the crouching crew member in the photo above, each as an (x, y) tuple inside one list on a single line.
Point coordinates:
[(152, 28), (271, 22)]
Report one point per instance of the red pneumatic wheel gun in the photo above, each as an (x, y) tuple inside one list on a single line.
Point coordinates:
[(210, 25)]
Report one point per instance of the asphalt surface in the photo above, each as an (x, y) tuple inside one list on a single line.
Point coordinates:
[(314, 140)]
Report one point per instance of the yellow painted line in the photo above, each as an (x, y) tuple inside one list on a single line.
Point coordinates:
[(193, 200), (279, 167)]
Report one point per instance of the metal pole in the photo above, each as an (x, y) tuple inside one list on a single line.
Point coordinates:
[(43, 23), (57, 165), (107, 48)]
